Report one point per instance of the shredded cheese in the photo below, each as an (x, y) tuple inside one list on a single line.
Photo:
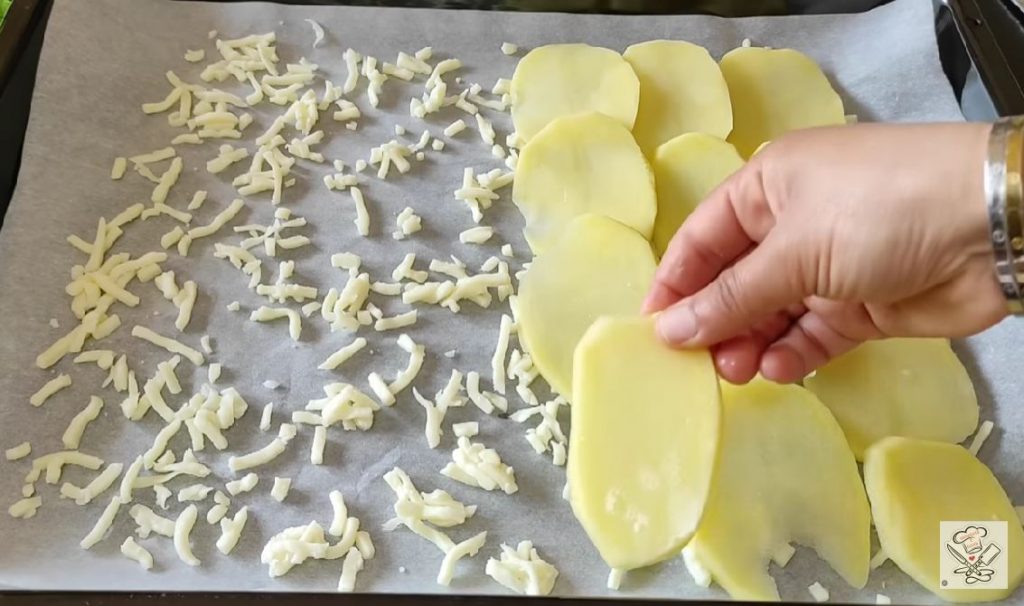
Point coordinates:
[(103, 524), (467, 548), (280, 489), (486, 129), (266, 416), (168, 344), (362, 220), (269, 314), (49, 389), (266, 454), (522, 570), (231, 531), (342, 355), (182, 535), (507, 48), (979, 438), (500, 351), (73, 434), (395, 322), (25, 508), (316, 454), (134, 551), (18, 452), (244, 484), (352, 564), (455, 128), (879, 558), (615, 576), (818, 592), (475, 465), (119, 167), (476, 235)]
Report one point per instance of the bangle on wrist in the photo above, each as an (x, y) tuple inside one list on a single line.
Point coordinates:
[(1004, 196)]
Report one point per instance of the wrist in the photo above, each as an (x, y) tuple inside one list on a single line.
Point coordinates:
[(1004, 197)]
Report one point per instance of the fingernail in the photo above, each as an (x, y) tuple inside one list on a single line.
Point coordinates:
[(677, 324)]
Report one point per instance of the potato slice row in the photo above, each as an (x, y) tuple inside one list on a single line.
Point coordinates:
[(786, 470)]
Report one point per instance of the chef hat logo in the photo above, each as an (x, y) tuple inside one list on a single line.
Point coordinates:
[(970, 538)]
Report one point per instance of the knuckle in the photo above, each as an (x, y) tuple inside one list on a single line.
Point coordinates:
[(728, 292)]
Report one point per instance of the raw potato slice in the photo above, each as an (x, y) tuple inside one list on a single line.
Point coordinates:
[(645, 428), (565, 79), (915, 484), (785, 474), (774, 91), (587, 163), (686, 169), (681, 91), (916, 388), (599, 267)]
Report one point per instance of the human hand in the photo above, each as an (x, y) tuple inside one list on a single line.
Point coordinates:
[(829, 237)]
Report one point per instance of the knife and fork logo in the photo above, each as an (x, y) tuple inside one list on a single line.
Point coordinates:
[(974, 553)]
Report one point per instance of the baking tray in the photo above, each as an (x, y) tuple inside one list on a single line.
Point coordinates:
[(981, 34), (984, 37)]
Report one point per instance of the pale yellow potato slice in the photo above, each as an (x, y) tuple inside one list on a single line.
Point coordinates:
[(915, 484), (599, 267), (587, 163), (681, 91), (785, 474), (774, 91), (645, 428), (916, 388), (686, 169), (565, 79)]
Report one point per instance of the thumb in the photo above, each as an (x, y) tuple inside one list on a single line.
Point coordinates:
[(765, 281)]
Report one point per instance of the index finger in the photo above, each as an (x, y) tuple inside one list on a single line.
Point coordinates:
[(734, 217)]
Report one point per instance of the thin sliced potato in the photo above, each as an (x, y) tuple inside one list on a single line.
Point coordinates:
[(599, 267), (774, 91), (916, 388), (645, 427), (587, 163), (681, 91), (686, 169), (785, 474), (915, 484), (565, 79)]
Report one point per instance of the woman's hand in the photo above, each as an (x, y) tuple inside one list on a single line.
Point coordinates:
[(829, 237)]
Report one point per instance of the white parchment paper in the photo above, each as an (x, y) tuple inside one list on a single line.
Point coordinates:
[(103, 58)]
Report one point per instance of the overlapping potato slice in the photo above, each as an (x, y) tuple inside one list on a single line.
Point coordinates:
[(681, 91), (784, 474), (587, 163), (645, 428), (565, 79), (915, 484), (599, 267), (774, 91), (915, 388), (686, 169)]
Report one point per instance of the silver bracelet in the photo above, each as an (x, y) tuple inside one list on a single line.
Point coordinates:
[(1004, 194)]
